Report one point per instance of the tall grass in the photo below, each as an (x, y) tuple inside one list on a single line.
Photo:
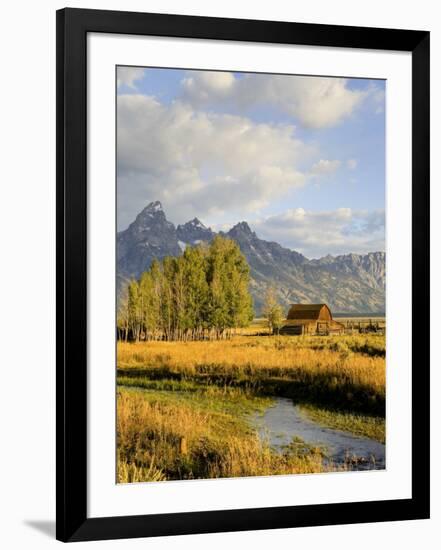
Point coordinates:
[(129, 472), (346, 372), (191, 423), (151, 432)]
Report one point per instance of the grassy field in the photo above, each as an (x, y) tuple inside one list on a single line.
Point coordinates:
[(187, 436), (183, 406)]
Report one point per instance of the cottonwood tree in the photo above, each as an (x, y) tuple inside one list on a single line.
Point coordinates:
[(122, 316), (134, 309), (272, 311), (203, 293)]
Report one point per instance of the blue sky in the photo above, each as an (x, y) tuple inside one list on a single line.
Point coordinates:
[(301, 159)]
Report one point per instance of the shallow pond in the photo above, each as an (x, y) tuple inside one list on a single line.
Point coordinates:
[(283, 421)]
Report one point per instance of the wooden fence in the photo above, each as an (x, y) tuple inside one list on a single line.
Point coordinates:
[(364, 327)]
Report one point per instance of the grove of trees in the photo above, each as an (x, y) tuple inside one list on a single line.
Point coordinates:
[(202, 294)]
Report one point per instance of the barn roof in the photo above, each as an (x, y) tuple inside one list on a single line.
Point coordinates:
[(307, 311)]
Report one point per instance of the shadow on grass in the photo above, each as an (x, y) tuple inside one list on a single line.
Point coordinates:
[(318, 389)]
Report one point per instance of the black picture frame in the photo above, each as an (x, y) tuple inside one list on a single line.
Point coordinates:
[(71, 156)]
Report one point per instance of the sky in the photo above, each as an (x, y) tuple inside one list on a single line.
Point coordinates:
[(300, 158)]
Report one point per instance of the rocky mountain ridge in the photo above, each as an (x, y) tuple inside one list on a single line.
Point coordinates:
[(350, 283)]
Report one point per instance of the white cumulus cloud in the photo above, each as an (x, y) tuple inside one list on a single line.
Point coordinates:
[(206, 85), (325, 167), (201, 163), (315, 102), (127, 76), (317, 233)]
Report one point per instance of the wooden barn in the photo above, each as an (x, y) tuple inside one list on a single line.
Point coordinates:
[(310, 319)]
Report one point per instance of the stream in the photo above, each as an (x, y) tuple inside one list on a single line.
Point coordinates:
[(283, 421)]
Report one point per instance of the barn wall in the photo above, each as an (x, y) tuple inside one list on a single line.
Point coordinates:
[(325, 314)]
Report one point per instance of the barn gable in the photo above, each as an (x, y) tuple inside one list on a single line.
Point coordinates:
[(313, 312)]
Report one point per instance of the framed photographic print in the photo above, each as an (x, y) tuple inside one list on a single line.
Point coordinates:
[(242, 274)]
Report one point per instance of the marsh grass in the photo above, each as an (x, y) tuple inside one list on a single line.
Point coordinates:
[(343, 372), (218, 441), (184, 407), (373, 427), (129, 472)]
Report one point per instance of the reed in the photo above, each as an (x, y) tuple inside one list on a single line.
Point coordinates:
[(183, 407), (218, 443), (342, 372)]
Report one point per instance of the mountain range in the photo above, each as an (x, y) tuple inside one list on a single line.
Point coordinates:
[(350, 283)]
